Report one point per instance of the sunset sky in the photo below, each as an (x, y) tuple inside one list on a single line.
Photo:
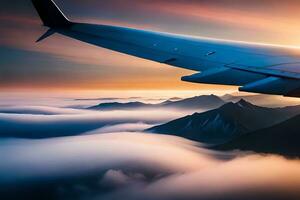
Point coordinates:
[(63, 63)]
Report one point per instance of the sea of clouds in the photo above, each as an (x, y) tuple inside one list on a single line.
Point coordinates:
[(130, 165), (44, 122), (69, 153)]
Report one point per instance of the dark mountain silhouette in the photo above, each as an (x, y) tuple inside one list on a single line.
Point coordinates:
[(194, 103), (198, 102), (121, 106), (226, 122), (283, 139), (262, 100)]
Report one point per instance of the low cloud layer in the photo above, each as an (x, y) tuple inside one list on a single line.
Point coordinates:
[(143, 166), (43, 122), (110, 159), (127, 127), (40, 110)]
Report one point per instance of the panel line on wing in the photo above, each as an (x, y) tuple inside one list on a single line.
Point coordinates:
[(266, 71)]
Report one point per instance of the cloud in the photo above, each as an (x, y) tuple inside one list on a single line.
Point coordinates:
[(43, 122), (127, 127), (110, 163), (118, 178), (40, 110), (143, 166), (71, 156), (249, 176)]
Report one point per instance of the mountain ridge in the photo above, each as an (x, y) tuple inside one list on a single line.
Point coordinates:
[(197, 103), (226, 122)]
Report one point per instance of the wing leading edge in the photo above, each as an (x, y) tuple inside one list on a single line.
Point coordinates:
[(255, 68)]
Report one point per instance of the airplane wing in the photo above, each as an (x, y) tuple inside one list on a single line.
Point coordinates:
[(255, 68)]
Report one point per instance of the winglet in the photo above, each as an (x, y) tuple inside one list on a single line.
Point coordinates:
[(50, 14), (47, 34)]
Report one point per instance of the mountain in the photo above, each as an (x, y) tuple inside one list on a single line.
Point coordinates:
[(262, 100), (121, 106), (283, 139), (197, 102), (226, 122), (204, 102)]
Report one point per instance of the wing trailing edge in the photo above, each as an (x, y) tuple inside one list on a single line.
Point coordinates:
[(249, 81), (223, 76), (274, 85)]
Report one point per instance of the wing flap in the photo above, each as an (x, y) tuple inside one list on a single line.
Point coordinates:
[(269, 71), (274, 85), (224, 76)]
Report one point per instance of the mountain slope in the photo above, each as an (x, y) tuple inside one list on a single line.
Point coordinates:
[(194, 103), (283, 138), (224, 123)]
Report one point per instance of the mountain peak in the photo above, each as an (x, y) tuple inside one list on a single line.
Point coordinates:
[(245, 104), (239, 106), (166, 102)]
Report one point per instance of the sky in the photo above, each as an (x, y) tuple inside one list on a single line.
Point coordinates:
[(60, 63)]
